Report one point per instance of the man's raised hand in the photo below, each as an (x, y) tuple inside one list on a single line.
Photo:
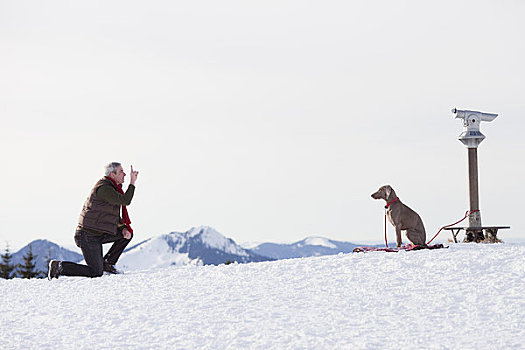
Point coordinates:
[(133, 176)]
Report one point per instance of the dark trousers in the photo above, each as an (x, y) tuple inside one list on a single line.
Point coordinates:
[(91, 246)]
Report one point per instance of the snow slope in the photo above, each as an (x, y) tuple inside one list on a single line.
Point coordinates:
[(470, 296)]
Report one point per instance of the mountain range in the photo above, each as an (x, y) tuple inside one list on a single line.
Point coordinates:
[(201, 245), (310, 246), (44, 250)]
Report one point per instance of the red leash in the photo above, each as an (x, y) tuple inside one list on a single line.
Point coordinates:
[(467, 213), (386, 207), (386, 242)]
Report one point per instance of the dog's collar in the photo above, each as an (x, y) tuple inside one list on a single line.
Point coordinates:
[(389, 203)]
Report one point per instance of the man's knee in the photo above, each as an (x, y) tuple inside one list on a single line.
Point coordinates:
[(96, 272)]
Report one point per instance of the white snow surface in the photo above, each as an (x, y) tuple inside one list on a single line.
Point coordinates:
[(470, 296)]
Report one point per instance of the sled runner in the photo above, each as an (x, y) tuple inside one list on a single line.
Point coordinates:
[(398, 249)]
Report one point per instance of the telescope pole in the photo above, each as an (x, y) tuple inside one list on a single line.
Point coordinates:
[(474, 215)]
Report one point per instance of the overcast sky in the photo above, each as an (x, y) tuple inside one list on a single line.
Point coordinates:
[(269, 120)]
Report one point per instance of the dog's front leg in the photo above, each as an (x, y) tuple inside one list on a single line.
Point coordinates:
[(399, 240)]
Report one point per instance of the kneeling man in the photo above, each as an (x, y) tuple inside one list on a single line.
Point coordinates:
[(100, 223)]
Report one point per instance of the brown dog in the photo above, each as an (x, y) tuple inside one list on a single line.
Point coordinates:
[(402, 217)]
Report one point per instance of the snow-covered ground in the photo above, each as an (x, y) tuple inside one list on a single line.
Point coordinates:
[(470, 296)]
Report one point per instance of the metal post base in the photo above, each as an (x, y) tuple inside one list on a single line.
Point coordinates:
[(474, 236)]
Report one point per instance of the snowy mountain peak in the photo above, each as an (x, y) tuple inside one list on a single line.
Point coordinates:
[(199, 245), (160, 251), (213, 239), (195, 231), (316, 240)]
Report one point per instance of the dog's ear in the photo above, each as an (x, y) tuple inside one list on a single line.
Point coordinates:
[(388, 191)]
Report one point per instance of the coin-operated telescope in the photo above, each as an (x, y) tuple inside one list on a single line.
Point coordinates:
[(471, 135)]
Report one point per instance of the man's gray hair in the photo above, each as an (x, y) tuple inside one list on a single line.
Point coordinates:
[(112, 168)]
